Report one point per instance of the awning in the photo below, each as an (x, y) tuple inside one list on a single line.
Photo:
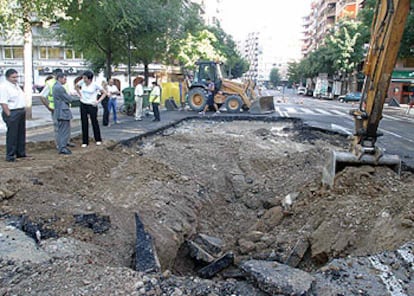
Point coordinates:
[(405, 76)]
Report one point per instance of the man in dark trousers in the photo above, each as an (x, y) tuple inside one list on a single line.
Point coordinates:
[(155, 100), (13, 102), (62, 113)]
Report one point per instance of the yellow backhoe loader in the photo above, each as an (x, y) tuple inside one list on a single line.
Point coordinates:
[(386, 33), (235, 96)]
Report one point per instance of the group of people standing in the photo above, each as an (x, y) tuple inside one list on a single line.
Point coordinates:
[(55, 96)]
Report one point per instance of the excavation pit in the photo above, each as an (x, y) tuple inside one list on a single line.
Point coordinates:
[(254, 185)]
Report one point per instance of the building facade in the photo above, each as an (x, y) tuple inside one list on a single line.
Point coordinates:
[(48, 54), (322, 17)]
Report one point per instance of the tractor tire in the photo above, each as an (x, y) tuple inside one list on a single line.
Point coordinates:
[(233, 104), (197, 99)]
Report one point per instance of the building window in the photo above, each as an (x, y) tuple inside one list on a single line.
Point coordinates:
[(53, 53), (13, 53), (71, 54)]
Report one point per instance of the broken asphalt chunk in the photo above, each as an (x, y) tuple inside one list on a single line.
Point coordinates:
[(218, 265), (146, 259), (199, 253), (212, 245), (276, 278), (97, 223)]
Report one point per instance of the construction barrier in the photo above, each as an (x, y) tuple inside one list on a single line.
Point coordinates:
[(170, 90)]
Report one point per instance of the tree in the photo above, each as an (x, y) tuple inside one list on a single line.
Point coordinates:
[(294, 73), (96, 28), (163, 23), (198, 47), (318, 61), (18, 16), (234, 65), (274, 77), (366, 15), (346, 49)]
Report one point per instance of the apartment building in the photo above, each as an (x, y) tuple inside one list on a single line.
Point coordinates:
[(324, 14), (325, 19), (258, 48), (309, 29), (322, 17), (48, 54), (347, 8)]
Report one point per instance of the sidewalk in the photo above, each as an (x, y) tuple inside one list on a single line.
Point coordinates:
[(40, 128)]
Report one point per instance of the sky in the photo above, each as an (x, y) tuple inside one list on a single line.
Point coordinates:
[(280, 18)]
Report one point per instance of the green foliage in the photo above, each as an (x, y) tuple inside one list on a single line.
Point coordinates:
[(318, 61), (367, 14), (274, 77), (163, 24), (198, 47), (234, 64), (114, 31), (211, 43), (345, 47), (16, 14), (96, 29), (343, 50), (294, 72)]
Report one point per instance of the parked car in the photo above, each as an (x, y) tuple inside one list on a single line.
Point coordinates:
[(301, 90), (350, 97)]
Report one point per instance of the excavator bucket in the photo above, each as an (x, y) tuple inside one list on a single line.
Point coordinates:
[(339, 160), (262, 105)]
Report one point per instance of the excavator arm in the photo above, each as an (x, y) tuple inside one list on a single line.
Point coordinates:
[(386, 34)]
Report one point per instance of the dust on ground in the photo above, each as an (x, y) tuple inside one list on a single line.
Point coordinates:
[(255, 185)]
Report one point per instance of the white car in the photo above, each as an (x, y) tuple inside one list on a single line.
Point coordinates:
[(301, 90)]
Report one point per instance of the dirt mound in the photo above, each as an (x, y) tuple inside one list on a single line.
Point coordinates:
[(255, 185)]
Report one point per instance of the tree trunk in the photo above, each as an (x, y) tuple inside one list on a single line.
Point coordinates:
[(28, 67), (146, 73), (108, 66)]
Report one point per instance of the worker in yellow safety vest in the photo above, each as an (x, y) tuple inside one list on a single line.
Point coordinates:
[(155, 100)]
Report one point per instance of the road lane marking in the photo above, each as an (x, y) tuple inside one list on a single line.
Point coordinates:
[(281, 113), (397, 135), (291, 110), (339, 112), (323, 111), (341, 128), (307, 111)]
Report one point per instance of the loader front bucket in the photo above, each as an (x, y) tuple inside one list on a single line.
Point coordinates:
[(262, 105), (339, 160)]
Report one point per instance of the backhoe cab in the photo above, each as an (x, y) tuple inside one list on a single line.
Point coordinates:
[(235, 96)]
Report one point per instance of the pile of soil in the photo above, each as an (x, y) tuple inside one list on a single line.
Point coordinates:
[(254, 185)]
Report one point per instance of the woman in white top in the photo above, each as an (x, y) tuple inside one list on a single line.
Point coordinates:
[(88, 91)]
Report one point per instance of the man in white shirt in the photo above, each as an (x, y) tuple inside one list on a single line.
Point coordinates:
[(14, 115), (139, 93)]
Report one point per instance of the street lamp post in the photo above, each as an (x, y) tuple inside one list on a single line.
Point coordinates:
[(129, 61)]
